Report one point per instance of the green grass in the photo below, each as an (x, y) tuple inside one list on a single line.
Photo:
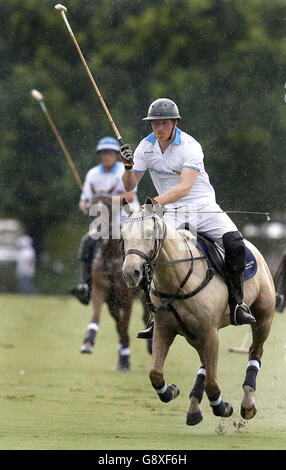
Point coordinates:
[(54, 398)]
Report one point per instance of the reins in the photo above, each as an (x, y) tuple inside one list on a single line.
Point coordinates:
[(151, 262)]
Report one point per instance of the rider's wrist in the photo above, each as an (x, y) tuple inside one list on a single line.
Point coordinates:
[(128, 167)]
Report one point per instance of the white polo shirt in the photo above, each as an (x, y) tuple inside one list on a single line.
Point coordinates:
[(100, 181), (165, 170)]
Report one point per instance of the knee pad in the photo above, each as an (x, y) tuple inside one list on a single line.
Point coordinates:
[(235, 252)]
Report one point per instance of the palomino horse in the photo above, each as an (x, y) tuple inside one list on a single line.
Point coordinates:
[(197, 306), (108, 286), (280, 283)]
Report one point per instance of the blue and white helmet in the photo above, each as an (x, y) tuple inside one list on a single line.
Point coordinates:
[(108, 143)]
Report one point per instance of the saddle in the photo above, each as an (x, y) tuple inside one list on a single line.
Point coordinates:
[(214, 251)]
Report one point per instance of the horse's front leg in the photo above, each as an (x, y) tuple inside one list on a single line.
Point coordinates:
[(123, 346), (219, 407), (162, 340), (194, 414), (98, 298)]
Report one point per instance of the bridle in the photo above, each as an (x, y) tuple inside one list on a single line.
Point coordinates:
[(159, 237), (151, 262)]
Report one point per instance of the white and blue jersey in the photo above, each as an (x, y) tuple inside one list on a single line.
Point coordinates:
[(165, 169), (98, 180)]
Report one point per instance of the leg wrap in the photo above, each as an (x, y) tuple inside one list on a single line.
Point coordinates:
[(124, 355), (199, 387), (217, 405), (253, 367), (164, 393), (91, 333)]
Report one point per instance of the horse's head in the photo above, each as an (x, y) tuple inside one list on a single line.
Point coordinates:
[(99, 197), (105, 208), (142, 234)]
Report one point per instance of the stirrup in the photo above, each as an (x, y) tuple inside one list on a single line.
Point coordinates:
[(82, 293), (242, 315), (147, 333)]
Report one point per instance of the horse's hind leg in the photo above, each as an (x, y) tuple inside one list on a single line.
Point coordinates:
[(280, 284), (162, 341), (210, 354), (260, 332)]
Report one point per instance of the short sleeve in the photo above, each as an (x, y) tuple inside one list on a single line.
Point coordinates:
[(193, 157), (86, 194), (139, 161)]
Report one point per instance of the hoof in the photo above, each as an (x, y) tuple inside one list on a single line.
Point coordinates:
[(194, 418), (87, 348), (248, 413), (228, 410)]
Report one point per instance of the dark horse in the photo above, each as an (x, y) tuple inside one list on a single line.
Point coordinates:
[(108, 286), (280, 283)]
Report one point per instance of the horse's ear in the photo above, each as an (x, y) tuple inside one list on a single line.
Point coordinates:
[(125, 205), (148, 204)]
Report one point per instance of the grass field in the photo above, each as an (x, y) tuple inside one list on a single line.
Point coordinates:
[(54, 398)]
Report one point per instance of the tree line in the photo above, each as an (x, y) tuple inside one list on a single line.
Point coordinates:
[(221, 61)]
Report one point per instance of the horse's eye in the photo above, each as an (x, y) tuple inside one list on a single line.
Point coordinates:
[(148, 234)]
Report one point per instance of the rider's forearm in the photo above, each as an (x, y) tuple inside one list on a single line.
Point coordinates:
[(129, 180), (82, 206), (173, 195)]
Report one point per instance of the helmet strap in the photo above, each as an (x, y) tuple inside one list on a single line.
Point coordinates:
[(170, 136)]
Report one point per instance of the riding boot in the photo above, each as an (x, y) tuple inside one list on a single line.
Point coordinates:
[(83, 289), (235, 256), (87, 252), (148, 332), (240, 313)]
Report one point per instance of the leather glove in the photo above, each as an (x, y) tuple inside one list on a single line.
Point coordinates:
[(126, 156)]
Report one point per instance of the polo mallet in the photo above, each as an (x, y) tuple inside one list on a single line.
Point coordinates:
[(39, 97), (63, 10), (242, 349)]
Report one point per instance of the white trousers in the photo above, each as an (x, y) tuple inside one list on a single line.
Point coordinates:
[(209, 219)]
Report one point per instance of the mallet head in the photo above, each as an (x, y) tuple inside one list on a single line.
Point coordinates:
[(37, 95), (60, 7)]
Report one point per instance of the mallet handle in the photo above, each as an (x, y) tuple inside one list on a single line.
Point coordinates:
[(111, 122), (238, 350), (64, 149)]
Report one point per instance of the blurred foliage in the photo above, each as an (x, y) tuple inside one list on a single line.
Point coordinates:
[(222, 61)]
